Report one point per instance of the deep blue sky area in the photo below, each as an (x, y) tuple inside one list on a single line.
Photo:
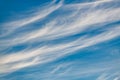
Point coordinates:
[(17, 7), (59, 40)]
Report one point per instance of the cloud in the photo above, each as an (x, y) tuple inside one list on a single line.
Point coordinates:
[(47, 53), (79, 19), (37, 15), (108, 76)]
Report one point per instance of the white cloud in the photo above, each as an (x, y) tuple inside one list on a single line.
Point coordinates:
[(73, 24)]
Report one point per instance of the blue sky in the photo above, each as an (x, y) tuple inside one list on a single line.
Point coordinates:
[(60, 40)]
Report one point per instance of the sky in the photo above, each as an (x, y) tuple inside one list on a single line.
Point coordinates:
[(59, 39)]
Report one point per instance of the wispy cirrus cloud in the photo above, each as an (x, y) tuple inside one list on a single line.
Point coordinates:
[(37, 15), (114, 76), (80, 26)]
